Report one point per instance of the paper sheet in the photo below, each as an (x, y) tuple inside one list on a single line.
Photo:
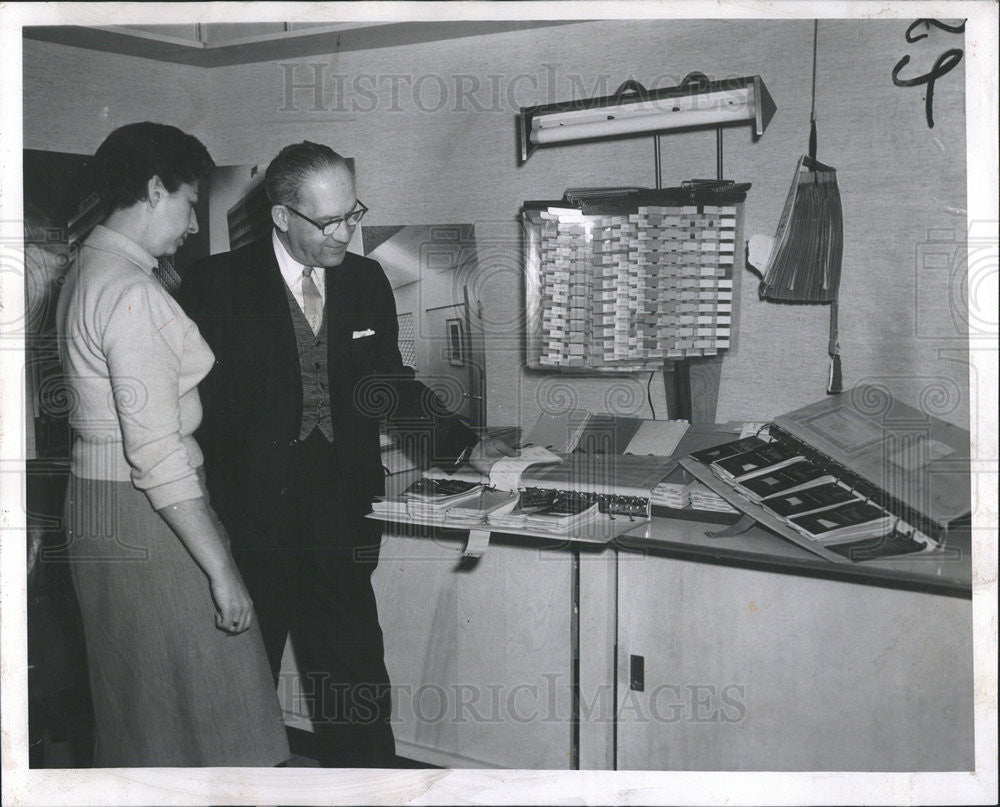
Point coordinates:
[(759, 249), (475, 547), (506, 471), (560, 432), (659, 437), (751, 429)]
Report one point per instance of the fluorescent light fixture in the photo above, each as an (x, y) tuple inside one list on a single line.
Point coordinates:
[(636, 110)]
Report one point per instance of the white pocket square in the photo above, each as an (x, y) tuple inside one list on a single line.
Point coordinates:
[(362, 334)]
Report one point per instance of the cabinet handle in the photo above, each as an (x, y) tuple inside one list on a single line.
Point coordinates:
[(637, 673)]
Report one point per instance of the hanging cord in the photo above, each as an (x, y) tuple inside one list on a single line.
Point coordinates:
[(812, 113), (835, 380), (649, 395)]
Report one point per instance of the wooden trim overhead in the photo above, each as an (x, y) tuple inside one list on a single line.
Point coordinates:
[(295, 43)]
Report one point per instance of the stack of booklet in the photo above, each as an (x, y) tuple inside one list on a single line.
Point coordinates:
[(390, 509), (704, 498), (681, 496), (477, 510), (514, 514), (676, 495), (565, 513), (431, 499), (621, 484)]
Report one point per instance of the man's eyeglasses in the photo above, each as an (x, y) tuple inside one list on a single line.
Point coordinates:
[(330, 226)]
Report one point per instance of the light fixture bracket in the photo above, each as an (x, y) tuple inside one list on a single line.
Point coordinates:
[(633, 109)]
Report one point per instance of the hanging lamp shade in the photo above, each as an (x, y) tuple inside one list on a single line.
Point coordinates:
[(805, 260), (804, 264)]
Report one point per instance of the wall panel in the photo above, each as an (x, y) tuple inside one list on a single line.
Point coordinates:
[(432, 127), (74, 97)]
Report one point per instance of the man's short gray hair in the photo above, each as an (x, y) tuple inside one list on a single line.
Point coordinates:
[(293, 166)]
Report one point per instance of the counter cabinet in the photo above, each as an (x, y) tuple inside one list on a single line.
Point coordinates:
[(754, 670), (480, 656), (636, 656)]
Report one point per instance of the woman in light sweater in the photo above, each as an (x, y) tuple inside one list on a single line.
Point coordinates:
[(177, 666)]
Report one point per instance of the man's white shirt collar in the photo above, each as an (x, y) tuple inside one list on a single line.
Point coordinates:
[(291, 271)]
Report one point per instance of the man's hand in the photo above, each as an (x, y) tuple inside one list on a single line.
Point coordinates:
[(487, 451)]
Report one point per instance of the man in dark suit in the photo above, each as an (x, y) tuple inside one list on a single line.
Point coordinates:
[(306, 364)]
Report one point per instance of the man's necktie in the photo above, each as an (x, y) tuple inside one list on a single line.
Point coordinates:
[(313, 302)]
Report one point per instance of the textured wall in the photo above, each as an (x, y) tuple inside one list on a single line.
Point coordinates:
[(441, 148), (74, 97)]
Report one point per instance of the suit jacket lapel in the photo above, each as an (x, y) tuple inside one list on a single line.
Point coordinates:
[(344, 291), (341, 301), (340, 294)]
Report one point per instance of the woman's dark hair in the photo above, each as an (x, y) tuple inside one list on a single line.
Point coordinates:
[(294, 164), (132, 154)]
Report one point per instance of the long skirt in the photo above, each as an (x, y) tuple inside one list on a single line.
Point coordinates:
[(169, 688)]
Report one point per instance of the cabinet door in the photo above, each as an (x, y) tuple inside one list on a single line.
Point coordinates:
[(479, 656), (750, 670)]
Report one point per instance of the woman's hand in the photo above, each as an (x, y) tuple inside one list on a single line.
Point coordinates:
[(200, 531), (233, 607)]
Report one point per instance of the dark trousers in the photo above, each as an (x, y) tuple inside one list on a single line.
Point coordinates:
[(319, 591)]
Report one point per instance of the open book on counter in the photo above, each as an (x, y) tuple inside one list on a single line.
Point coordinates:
[(846, 478)]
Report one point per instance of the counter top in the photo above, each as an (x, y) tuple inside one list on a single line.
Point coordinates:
[(948, 572)]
